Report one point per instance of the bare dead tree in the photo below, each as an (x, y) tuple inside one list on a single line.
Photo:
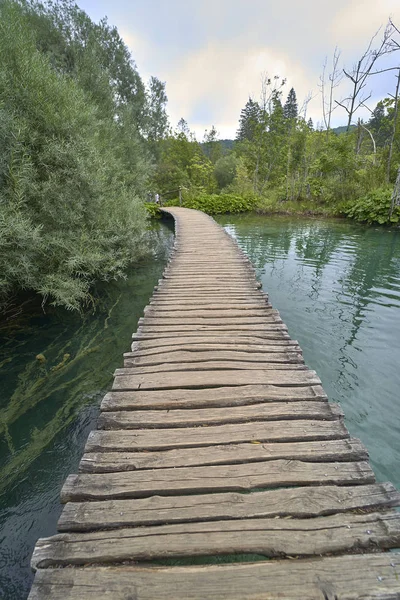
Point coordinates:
[(327, 87), (394, 46), (362, 70), (304, 107), (269, 88)]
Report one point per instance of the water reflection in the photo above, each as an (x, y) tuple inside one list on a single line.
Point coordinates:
[(337, 286), (55, 368)]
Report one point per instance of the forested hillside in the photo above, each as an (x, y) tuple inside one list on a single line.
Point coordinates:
[(281, 162), (77, 133)]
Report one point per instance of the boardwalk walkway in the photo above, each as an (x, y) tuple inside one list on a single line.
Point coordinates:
[(215, 402)]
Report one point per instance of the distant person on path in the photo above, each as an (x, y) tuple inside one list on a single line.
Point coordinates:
[(157, 198)]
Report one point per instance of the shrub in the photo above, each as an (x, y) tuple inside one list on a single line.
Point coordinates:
[(374, 207), (215, 204)]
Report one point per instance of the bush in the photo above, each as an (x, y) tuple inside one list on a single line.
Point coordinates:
[(69, 178), (373, 208), (215, 204), (153, 210)]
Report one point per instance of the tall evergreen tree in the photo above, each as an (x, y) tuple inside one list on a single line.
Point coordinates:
[(290, 110), (248, 121)]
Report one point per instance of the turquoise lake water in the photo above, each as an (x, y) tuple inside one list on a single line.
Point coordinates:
[(337, 287)]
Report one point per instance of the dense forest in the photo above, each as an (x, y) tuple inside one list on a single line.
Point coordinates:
[(84, 142)]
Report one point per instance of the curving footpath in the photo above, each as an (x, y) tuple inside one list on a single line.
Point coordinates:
[(215, 441)]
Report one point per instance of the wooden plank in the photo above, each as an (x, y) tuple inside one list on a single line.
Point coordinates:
[(211, 295), (223, 396), (209, 379), (152, 349), (295, 363), (353, 577), (300, 502), (319, 451), (225, 478), (207, 304), (183, 418), (214, 435), (227, 286), (159, 314), (269, 537), (221, 337), (209, 319), (234, 275), (217, 356), (279, 334), (213, 328), (240, 342)]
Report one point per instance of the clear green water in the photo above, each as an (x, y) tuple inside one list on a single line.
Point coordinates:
[(337, 287), (48, 408)]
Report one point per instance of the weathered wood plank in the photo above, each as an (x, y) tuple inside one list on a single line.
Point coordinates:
[(220, 337), (320, 451), (214, 435), (300, 502), (343, 450), (159, 314), (273, 411), (207, 304), (295, 362), (353, 577), (217, 356), (215, 329), (209, 379), (208, 285), (210, 295), (232, 276), (151, 349), (226, 478), (269, 537), (209, 320), (223, 396), (190, 307)]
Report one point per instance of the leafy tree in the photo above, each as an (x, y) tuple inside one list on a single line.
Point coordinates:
[(211, 145), (379, 124), (72, 161), (225, 170)]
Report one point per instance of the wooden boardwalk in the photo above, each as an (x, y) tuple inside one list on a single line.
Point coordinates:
[(216, 440)]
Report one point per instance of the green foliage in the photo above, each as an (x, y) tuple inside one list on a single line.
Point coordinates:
[(71, 173), (374, 207), (225, 170), (153, 210), (214, 204)]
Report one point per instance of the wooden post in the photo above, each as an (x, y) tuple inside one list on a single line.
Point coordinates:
[(180, 196)]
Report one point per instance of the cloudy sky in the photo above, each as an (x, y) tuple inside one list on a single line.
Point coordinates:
[(212, 53)]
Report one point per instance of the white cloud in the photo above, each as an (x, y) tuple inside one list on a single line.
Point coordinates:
[(224, 76), (212, 53)]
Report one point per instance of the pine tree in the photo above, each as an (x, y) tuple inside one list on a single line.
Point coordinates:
[(249, 119), (290, 110)]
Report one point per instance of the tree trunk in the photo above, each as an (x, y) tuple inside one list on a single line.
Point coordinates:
[(396, 109), (396, 194)]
